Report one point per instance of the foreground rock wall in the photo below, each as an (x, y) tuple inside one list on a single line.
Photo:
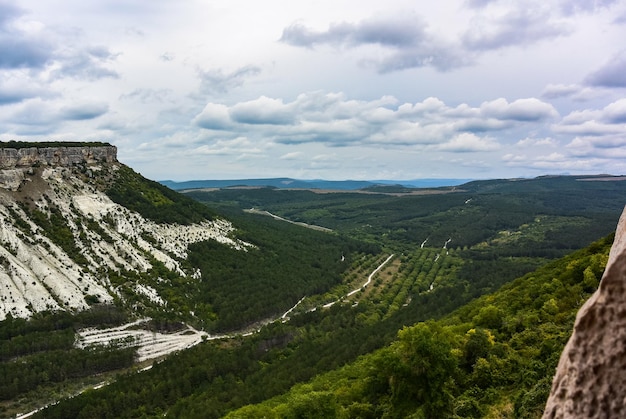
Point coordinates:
[(590, 380), (55, 156)]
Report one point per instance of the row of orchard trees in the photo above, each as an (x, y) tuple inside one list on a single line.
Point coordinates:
[(419, 272)]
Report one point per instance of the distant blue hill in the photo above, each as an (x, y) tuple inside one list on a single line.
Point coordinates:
[(288, 183)]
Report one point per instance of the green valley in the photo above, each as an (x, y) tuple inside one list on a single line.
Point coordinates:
[(350, 350), (452, 302)]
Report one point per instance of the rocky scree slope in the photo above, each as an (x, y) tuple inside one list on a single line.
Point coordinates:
[(65, 245)]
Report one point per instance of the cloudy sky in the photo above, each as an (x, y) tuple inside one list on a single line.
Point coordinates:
[(341, 89)]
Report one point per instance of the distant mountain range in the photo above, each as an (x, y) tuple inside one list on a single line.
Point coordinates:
[(289, 183)]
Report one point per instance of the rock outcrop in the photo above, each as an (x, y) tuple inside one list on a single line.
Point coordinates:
[(11, 158), (590, 380), (16, 163)]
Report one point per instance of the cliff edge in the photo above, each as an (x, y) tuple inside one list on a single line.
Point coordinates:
[(590, 379), (18, 162), (11, 158)]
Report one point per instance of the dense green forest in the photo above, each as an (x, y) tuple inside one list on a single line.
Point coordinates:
[(547, 216), (493, 357), (286, 264), (345, 350), (40, 352), (498, 229)]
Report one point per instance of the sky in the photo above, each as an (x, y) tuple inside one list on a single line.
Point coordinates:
[(341, 89)]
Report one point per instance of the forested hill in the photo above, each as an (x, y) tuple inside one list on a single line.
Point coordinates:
[(261, 305), (494, 357), (289, 183), (546, 216)]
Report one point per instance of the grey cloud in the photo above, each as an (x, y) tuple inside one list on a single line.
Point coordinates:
[(37, 116), (433, 55), (595, 123), (262, 111), (520, 27), (291, 156), (475, 125), (34, 130), (478, 4), (21, 52), (406, 35), (617, 118), (84, 111), (608, 142), (148, 95), (615, 113), (399, 33), (598, 147), (612, 74), (570, 7), (34, 113), (330, 139), (88, 63), (335, 121), (37, 51), (467, 142), (9, 95), (8, 12), (17, 48), (620, 20), (394, 32), (17, 86), (575, 92), (214, 116), (523, 110), (300, 36), (555, 91), (134, 32), (588, 129), (218, 82), (113, 124), (167, 56)]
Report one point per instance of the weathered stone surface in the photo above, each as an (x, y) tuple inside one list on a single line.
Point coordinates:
[(55, 156), (11, 178), (590, 380)]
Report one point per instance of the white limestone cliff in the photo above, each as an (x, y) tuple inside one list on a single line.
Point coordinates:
[(37, 275)]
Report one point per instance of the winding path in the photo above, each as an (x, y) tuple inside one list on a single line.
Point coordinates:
[(276, 217), (369, 280)]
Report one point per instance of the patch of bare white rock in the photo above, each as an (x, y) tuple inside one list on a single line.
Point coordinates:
[(150, 345), (37, 275)]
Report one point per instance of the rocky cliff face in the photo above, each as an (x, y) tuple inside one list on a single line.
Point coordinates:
[(64, 244), (11, 158), (590, 380), (17, 163)]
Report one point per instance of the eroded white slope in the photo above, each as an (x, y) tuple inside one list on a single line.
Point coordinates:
[(37, 275), (149, 344)]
